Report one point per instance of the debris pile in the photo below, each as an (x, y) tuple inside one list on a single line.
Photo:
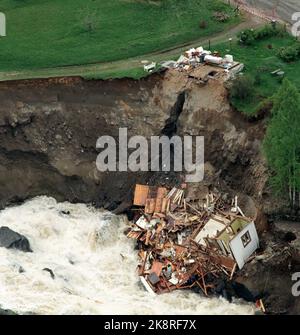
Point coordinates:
[(149, 67), (183, 244), (195, 57)]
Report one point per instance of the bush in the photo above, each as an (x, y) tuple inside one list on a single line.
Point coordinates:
[(249, 36), (267, 32), (257, 78), (290, 54), (242, 88)]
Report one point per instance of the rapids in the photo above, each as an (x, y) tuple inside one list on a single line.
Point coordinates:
[(93, 263)]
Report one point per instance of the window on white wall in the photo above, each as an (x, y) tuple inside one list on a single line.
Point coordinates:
[(246, 239)]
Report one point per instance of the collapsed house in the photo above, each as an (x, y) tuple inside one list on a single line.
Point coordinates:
[(183, 244), (236, 239)]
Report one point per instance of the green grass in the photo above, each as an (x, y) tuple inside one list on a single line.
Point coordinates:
[(134, 73), (53, 33), (259, 62)]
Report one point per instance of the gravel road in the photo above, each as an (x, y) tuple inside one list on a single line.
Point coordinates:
[(285, 8)]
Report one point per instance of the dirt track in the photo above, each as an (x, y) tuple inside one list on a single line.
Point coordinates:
[(283, 8), (131, 63)]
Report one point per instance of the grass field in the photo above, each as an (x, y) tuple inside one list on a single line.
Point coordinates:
[(55, 33), (94, 39), (260, 60)]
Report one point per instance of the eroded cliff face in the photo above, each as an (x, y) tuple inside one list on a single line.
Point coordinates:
[(232, 143), (49, 129)]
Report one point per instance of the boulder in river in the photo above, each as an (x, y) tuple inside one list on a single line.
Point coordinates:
[(6, 312), (12, 240)]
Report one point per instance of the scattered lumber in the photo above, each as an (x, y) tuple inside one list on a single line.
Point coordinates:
[(184, 244)]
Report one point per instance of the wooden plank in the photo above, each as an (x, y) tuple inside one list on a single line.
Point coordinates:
[(164, 205), (158, 205), (203, 280), (161, 193), (140, 195), (202, 289), (227, 262), (147, 286), (148, 235), (157, 268), (194, 209), (150, 206), (144, 262), (233, 271)]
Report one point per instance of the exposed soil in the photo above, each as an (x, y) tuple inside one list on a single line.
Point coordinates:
[(49, 129), (270, 273)]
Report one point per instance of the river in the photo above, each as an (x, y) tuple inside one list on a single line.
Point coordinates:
[(93, 263)]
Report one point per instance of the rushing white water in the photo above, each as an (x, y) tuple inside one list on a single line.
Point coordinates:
[(94, 266)]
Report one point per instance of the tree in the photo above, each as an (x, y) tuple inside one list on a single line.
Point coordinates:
[(242, 88), (282, 141)]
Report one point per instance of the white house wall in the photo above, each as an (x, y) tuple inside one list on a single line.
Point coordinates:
[(241, 253), (211, 229)]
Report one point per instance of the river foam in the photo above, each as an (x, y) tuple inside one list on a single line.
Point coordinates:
[(93, 262)]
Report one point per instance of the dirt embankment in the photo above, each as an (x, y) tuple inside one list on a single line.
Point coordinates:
[(48, 134), (49, 129)]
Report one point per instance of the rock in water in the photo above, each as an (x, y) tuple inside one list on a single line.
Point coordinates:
[(12, 240), (6, 312)]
